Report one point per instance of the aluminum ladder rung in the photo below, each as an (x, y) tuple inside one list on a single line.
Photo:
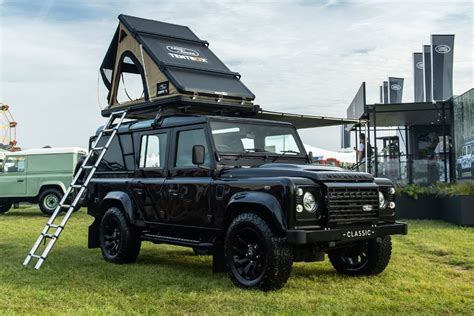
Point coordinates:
[(54, 226), (72, 195), (49, 235)]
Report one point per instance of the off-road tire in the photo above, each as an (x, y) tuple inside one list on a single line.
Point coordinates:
[(45, 196), (276, 253), (127, 239), (377, 258), (5, 207)]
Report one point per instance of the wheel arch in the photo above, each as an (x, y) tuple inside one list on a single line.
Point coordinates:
[(120, 200), (51, 185), (263, 204)]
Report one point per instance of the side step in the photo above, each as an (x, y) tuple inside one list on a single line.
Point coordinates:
[(175, 241)]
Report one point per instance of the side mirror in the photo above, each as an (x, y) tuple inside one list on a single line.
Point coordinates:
[(310, 157), (198, 154)]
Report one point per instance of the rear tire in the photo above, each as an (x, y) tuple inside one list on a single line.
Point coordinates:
[(119, 241), (256, 257), (364, 258), (5, 207), (48, 200)]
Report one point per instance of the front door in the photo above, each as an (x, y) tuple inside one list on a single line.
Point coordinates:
[(13, 177), (147, 187), (188, 186)]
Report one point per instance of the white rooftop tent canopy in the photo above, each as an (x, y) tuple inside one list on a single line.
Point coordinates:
[(175, 66)]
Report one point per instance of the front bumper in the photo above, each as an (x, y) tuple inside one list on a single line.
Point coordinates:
[(346, 234)]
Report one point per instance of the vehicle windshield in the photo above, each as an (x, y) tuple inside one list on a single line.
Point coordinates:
[(243, 138)]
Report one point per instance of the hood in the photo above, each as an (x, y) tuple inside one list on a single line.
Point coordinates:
[(317, 173)]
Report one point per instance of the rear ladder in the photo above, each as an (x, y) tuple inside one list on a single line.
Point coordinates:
[(50, 237)]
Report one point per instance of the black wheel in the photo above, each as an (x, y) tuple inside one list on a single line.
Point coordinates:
[(199, 251), (5, 207), (256, 257), (48, 200), (364, 258), (119, 241)]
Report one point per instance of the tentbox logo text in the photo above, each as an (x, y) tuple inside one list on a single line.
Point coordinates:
[(185, 53), (395, 87), (442, 49)]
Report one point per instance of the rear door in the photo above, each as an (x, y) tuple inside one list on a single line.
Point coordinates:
[(189, 186), (13, 177), (147, 186)]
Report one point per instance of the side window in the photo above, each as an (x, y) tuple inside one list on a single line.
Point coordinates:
[(184, 151), (153, 151), (14, 164)]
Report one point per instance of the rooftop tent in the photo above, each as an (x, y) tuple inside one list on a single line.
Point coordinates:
[(174, 65)]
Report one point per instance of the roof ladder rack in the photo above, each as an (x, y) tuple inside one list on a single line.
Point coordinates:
[(75, 191)]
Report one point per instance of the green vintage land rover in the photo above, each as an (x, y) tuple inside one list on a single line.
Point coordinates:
[(37, 176)]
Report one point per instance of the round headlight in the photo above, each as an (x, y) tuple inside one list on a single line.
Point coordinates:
[(309, 202), (299, 192), (299, 208), (382, 201), (392, 191)]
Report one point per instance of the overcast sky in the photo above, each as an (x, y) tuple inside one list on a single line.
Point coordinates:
[(308, 57)]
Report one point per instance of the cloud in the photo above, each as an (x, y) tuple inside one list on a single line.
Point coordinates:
[(296, 58)]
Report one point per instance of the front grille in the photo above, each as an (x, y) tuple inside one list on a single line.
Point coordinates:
[(345, 205)]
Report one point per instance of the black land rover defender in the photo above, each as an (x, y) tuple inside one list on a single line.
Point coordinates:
[(241, 189)]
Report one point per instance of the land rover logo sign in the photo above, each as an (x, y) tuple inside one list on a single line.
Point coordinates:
[(182, 51), (395, 87), (442, 49), (419, 65), (185, 53)]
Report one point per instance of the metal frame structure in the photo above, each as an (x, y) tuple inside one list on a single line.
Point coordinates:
[(403, 118)]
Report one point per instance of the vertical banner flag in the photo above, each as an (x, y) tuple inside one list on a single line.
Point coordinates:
[(385, 92), (381, 94), (395, 86), (442, 49), (418, 77), (427, 72)]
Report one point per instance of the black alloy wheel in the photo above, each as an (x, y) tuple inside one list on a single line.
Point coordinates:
[(112, 236), (256, 255), (369, 257), (119, 241), (248, 255)]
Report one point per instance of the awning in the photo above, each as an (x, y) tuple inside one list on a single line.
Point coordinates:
[(305, 121), (410, 114)]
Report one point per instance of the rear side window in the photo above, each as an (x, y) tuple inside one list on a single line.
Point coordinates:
[(153, 151)]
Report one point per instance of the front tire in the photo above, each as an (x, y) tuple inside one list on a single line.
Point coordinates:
[(256, 257), (48, 201), (5, 207), (364, 258), (119, 241)]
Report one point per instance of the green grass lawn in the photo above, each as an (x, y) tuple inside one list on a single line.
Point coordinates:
[(431, 271)]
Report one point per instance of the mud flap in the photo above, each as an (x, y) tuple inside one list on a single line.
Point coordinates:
[(218, 259), (94, 232)]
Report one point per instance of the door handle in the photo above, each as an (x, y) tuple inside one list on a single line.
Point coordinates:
[(173, 192), (20, 180)]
